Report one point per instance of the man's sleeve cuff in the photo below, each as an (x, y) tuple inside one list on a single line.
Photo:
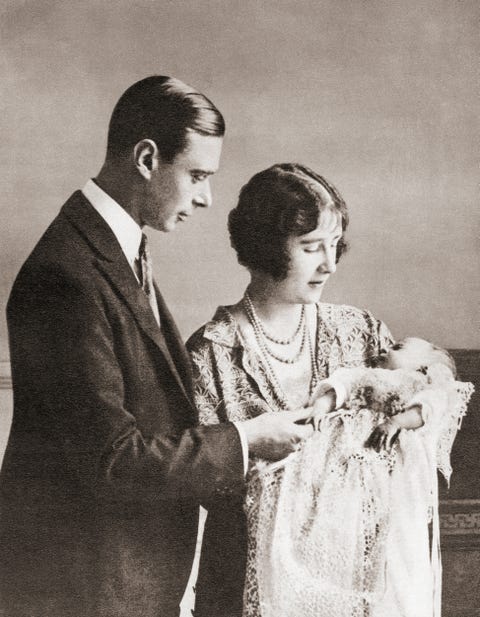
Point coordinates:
[(244, 442)]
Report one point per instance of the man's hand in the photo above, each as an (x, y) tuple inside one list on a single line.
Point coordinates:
[(273, 436), (383, 436)]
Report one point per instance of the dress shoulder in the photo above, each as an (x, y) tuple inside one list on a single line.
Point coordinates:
[(343, 313), (348, 336), (196, 340), (345, 317), (221, 329)]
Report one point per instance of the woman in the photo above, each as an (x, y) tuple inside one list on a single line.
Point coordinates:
[(269, 351)]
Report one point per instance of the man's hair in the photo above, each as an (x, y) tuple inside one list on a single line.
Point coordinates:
[(162, 109), (282, 201)]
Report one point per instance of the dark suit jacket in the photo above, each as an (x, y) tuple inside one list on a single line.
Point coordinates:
[(105, 466)]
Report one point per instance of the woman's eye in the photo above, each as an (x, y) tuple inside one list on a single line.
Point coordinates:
[(313, 248), (396, 347)]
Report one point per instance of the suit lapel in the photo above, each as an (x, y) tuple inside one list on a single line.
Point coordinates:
[(175, 342), (113, 264)]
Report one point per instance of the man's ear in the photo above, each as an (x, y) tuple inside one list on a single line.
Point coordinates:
[(146, 157)]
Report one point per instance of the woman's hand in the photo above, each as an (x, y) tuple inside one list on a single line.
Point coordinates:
[(386, 433), (324, 404), (383, 436)]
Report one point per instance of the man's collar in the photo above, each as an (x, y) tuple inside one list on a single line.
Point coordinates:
[(125, 229)]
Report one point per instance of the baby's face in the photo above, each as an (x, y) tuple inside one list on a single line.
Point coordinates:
[(411, 353)]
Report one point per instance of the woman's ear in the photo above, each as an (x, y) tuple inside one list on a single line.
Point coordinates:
[(145, 155)]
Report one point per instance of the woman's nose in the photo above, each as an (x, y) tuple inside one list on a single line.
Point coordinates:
[(329, 261)]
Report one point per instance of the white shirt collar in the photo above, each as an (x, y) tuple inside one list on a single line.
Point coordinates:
[(126, 230)]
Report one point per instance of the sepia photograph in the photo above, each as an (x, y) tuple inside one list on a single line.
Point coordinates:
[(239, 308)]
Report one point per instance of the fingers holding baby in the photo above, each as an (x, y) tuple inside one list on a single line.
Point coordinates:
[(383, 436), (392, 383), (321, 403)]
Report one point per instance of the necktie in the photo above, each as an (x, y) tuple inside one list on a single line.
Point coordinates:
[(145, 263)]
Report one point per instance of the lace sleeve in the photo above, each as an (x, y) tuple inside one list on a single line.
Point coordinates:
[(344, 381), (207, 400), (447, 411), (459, 395), (385, 338)]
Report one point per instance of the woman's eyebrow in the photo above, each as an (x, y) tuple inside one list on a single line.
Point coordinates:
[(321, 239)]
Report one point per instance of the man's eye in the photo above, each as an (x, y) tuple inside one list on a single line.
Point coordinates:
[(198, 177), (396, 347)]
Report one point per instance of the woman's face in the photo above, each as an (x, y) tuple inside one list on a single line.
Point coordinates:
[(312, 260)]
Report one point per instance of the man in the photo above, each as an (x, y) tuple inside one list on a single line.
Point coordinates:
[(105, 466)]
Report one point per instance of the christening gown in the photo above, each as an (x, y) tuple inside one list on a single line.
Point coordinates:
[(335, 529)]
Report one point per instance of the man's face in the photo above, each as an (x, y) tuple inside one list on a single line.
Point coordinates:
[(176, 189)]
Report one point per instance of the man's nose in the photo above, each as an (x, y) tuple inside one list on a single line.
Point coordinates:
[(204, 198)]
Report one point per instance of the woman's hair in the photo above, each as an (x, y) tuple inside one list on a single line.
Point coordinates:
[(282, 201), (162, 109)]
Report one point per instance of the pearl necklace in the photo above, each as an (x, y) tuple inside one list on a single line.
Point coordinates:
[(273, 339), (260, 338)]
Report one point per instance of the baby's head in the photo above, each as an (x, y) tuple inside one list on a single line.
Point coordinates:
[(415, 354)]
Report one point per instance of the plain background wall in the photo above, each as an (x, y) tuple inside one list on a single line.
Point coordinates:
[(380, 97)]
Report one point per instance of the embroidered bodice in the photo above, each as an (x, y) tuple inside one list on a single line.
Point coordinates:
[(232, 381)]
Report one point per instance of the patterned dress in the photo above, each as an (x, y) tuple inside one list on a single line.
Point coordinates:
[(232, 383)]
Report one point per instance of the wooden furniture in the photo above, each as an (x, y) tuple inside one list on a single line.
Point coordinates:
[(460, 505)]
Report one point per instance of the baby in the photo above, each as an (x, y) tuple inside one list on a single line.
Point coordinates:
[(404, 398), (348, 525)]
